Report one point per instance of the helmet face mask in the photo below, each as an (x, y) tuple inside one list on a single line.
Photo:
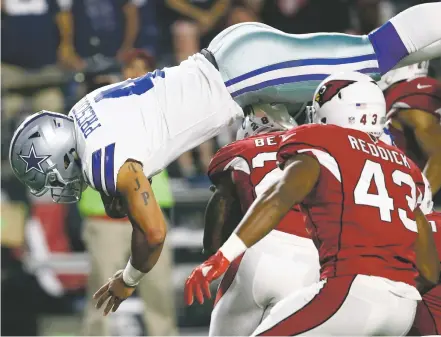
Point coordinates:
[(350, 100), (62, 191), (43, 157), (264, 118)]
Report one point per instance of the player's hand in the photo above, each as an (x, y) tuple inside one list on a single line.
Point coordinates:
[(198, 283), (114, 206), (115, 291)]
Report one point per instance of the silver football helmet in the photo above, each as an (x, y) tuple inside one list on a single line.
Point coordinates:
[(43, 156), (261, 118)]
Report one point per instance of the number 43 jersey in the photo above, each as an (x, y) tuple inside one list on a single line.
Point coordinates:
[(360, 212), (151, 119), (253, 166)]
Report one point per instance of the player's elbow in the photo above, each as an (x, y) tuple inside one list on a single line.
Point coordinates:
[(155, 236)]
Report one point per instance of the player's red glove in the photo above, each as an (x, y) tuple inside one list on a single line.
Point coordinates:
[(198, 283)]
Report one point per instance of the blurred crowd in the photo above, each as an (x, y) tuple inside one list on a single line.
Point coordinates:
[(55, 51)]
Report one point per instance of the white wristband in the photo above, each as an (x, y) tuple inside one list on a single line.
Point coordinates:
[(131, 275), (233, 247)]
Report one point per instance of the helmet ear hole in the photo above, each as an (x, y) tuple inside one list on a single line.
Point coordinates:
[(323, 120), (35, 135), (339, 94)]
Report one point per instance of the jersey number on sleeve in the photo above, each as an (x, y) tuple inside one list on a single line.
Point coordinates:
[(136, 86), (270, 177), (372, 172)]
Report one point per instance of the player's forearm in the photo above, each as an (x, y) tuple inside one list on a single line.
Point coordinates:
[(215, 216), (65, 27), (218, 9), (263, 216), (432, 172), (144, 257), (144, 254), (300, 176), (132, 26), (429, 139), (428, 263), (187, 9), (147, 238)]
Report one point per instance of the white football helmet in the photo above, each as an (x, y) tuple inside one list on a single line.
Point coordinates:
[(351, 100), (405, 73), (264, 118)]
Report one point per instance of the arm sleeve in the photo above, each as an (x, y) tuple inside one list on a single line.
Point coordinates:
[(310, 140), (107, 161), (302, 139), (227, 158)]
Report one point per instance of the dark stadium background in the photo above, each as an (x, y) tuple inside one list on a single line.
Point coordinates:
[(43, 291)]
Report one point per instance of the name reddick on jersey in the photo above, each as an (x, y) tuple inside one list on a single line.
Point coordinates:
[(378, 151)]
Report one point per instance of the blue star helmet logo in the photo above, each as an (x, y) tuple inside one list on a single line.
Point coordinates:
[(33, 161)]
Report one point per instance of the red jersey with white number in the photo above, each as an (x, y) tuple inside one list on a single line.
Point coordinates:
[(252, 162), (360, 212), (422, 93), (428, 317)]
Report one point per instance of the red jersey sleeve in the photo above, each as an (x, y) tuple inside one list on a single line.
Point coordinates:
[(422, 93), (225, 159), (307, 139)]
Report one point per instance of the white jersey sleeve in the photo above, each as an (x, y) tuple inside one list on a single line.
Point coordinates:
[(110, 130), (104, 159)]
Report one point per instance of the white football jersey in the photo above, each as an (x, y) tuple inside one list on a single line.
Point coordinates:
[(151, 119)]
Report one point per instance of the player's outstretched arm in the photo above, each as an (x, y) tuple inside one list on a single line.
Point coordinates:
[(427, 132), (219, 219), (149, 225), (428, 263), (300, 177), (301, 173), (149, 230)]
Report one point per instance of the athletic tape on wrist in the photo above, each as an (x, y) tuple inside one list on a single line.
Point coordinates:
[(131, 275), (233, 247)]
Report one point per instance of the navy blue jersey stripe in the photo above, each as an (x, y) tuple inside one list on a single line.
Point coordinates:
[(301, 63), (96, 170), (109, 169)]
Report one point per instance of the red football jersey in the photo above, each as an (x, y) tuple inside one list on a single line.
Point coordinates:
[(253, 164), (360, 213), (428, 317), (422, 93)]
